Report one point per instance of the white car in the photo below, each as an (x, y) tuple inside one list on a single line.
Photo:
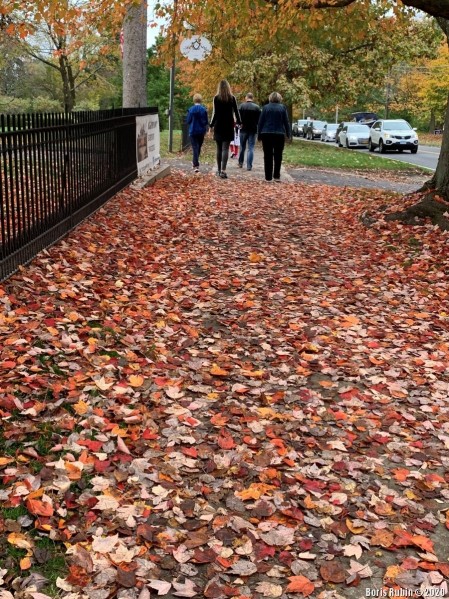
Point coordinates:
[(393, 134), (329, 131), (354, 135)]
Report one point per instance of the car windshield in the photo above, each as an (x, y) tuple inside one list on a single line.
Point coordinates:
[(358, 128), (397, 126), (318, 123), (331, 127)]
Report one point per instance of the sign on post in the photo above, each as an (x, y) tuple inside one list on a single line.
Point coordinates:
[(148, 143)]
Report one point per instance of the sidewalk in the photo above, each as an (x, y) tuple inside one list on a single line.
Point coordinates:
[(257, 171)]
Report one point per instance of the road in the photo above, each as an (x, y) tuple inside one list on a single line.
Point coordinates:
[(426, 157)]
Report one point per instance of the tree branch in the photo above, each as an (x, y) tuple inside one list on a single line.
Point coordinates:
[(434, 8)]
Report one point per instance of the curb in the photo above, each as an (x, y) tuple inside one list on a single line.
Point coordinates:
[(151, 177)]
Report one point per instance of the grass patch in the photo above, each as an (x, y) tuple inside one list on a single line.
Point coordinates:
[(303, 153), (176, 143), (429, 139), (207, 151)]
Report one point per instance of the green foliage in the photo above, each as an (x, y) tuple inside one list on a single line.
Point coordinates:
[(158, 89)]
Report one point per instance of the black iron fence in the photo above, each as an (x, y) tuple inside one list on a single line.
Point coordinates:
[(55, 170)]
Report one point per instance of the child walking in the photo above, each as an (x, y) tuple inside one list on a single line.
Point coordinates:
[(198, 123)]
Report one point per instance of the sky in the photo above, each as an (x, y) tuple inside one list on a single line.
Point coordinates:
[(152, 31)]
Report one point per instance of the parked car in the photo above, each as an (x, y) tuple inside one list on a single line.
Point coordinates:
[(364, 118), (393, 134), (329, 131), (313, 129), (340, 127), (354, 136), (298, 127)]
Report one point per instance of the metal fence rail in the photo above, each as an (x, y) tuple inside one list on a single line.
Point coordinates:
[(56, 169)]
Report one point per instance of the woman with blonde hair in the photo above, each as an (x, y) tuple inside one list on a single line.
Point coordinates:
[(273, 129), (224, 115)]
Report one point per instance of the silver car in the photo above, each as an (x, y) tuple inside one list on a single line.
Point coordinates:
[(329, 132), (354, 136)]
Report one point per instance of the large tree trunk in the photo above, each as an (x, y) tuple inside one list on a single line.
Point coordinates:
[(68, 83), (135, 56), (434, 201)]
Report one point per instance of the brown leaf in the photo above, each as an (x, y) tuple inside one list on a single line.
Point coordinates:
[(333, 571)]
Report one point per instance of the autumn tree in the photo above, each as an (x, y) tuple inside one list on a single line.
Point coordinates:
[(438, 185), (69, 37)]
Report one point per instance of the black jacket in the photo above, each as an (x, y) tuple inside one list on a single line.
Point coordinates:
[(223, 117), (274, 119), (249, 113)]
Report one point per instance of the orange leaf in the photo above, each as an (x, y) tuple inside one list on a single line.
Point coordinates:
[(225, 440), (255, 258), (254, 491), (217, 371), (25, 563), (401, 474), (39, 508), (219, 419), (136, 380), (300, 584), (423, 542)]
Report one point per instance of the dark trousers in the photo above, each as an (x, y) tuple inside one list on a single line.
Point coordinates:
[(222, 154), (273, 147), (197, 143)]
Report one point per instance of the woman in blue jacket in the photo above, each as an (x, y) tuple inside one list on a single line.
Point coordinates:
[(198, 123), (273, 129)]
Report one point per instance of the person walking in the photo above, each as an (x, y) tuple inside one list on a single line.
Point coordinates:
[(198, 122), (273, 128), (225, 113), (249, 113)]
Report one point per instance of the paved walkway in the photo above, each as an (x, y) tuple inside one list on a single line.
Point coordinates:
[(310, 176), (225, 388)]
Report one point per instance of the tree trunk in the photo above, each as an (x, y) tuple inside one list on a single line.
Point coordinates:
[(432, 122), (434, 202), (68, 83), (135, 56)]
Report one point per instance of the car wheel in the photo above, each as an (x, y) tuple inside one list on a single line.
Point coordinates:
[(340, 145), (414, 150), (371, 146), (382, 148), (347, 144)]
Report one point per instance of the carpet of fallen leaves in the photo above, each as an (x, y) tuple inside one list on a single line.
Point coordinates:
[(228, 389)]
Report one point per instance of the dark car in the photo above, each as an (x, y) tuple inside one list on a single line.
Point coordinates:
[(298, 127), (340, 128), (364, 118), (313, 129)]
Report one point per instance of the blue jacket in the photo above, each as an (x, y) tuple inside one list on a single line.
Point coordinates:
[(274, 119), (197, 120)]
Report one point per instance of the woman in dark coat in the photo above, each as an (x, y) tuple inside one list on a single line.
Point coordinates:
[(225, 115), (273, 129)]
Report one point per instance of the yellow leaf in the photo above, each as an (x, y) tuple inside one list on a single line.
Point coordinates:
[(354, 529), (136, 380), (74, 316), (20, 540), (81, 407), (5, 461), (254, 258)]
